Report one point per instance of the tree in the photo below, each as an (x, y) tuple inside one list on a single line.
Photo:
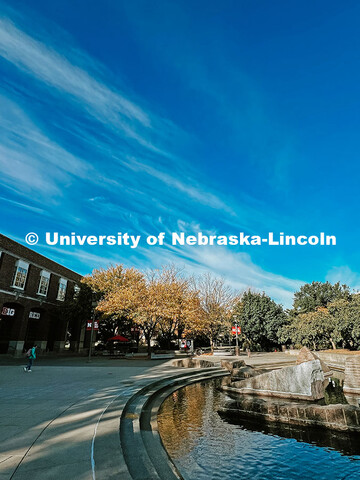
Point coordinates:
[(215, 302), (260, 319), (178, 305), (346, 321), (314, 330), (111, 325), (318, 294), (122, 291), (156, 301)]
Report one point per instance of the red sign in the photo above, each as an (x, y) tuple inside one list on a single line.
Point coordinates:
[(233, 330), (89, 324), (10, 312)]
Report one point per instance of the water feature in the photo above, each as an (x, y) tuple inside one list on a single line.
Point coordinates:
[(203, 445)]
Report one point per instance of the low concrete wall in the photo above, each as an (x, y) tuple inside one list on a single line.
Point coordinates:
[(194, 363), (327, 357), (352, 375), (334, 417), (335, 358), (292, 352), (156, 356)]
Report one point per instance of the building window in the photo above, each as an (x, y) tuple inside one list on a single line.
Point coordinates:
[(21, 271), (76, 292), (44, 283), (62, 289)]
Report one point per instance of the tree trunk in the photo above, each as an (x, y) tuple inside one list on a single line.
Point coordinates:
[(168, 340), (148, 341)]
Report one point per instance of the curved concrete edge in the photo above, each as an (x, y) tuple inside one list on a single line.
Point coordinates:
[(150, 431), (107, 456), (143, 451)]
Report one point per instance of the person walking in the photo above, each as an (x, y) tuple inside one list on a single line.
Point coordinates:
[(31, 354)]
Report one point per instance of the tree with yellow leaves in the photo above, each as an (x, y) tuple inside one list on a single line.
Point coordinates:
[(217, 301), (158, 300)]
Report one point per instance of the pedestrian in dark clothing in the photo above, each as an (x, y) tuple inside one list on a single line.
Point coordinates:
[(31, 354)]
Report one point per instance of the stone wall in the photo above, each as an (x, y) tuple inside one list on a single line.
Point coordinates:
[(352, 375), (333, 417)]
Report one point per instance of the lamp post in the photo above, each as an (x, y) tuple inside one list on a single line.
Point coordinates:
[(237, 353), (93, 305)]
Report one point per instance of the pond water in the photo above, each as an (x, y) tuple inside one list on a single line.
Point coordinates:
[(203, 445)]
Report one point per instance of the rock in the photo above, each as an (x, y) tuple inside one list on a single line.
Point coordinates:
[(306, 355), (231, 364), (304, 381), (352, 375)]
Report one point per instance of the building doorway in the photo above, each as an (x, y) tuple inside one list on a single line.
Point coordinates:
[(10, 314)]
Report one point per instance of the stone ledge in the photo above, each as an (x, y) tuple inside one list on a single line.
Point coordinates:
[(333, 417), (194, 363)]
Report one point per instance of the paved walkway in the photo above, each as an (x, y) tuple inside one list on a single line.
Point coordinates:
[(48, 417), (61, 420)]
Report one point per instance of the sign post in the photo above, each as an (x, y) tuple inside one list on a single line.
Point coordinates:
[(93, 304), (236, 330)]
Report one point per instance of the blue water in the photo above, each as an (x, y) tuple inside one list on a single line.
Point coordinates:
[(205, 446)]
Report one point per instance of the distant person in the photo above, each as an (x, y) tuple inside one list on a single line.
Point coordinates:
[(31, 354), (248, 352)]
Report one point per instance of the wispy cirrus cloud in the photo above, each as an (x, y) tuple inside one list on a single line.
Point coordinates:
[(24, 206), (106, 161), (30, 160), (52, 68), (188, 186), (344, 275), (119, 116), (235, 266)]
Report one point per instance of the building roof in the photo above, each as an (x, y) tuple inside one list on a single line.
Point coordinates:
[(16, 249)]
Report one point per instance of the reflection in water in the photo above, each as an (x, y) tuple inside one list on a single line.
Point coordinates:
[(334, 392), (204, 446)]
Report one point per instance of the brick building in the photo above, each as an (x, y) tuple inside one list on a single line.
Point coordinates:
[(32, 288)]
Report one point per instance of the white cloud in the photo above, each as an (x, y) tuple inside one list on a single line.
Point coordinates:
[(37, 166), (122, 117), (190, 188), (236, 267), (344, 275), (55, 70), (30, 161), (24, 206)]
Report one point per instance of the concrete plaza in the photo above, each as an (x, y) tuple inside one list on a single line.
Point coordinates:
[(61, 421)]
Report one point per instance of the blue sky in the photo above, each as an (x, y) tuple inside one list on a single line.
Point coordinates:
[(210, 116)]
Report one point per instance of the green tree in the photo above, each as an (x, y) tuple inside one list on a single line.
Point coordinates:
[(318, 294), (260, 319), (314, 330), (346, 320)]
